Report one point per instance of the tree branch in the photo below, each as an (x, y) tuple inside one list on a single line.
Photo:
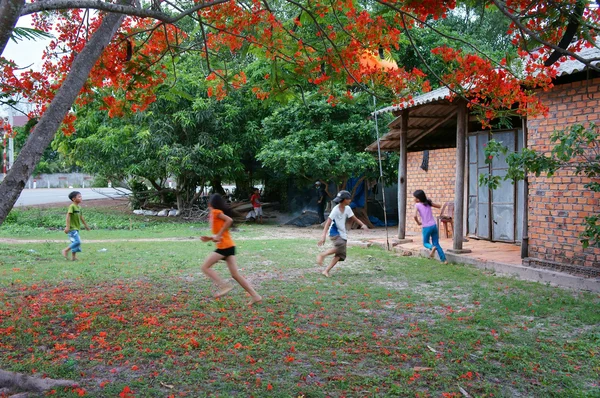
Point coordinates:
[(503, 9), (49, 5), (11, 10)]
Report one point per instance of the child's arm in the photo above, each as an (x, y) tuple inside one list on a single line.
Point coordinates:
[(417, 217), (436, 205), (68, 223), (228, 221), (325, 229), (84, 223), (356, 220)]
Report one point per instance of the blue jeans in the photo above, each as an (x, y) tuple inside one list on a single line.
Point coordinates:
[(431, 234), (75, 241)]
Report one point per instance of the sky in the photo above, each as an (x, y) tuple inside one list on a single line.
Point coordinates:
[(26, 52)]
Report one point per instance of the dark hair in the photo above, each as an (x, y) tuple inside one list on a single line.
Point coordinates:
[(216, 201), (421, 197), (73, 194), (254, 189)]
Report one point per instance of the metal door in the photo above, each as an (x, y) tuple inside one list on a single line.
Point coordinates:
[(478, 218), (491, 214), (503, 197)]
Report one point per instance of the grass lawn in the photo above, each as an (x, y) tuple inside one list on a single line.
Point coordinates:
[(138, 317)]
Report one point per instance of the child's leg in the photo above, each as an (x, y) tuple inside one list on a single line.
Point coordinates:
[(334, 261), (436, 243), (324, 254), (211, 260), (340, 254), (427, 237), (65, 252), (235, 274), (75, 244)]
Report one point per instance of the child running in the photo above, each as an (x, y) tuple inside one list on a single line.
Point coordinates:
[(430, 231), (220, 221), (336, 225), (74, 220)]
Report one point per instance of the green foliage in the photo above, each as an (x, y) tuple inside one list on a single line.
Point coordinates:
[(51, 161), (318, 141), (100, 182), (472, 22), (139, 192), (184, 135), (576, 149), (41, 221), (20, 33)]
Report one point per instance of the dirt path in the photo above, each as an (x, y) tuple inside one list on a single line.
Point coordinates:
[(269, 234)]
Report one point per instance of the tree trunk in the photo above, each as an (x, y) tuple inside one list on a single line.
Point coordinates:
[(180, 201), (217, 186), (44, 131), (243, 188), (20, 381), (10, 12), (160, 191)]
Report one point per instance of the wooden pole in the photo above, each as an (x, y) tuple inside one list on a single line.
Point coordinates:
[(402, 176), (459, 185), (525, 227)]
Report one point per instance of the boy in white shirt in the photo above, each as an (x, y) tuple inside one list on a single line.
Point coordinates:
[(336, 225)]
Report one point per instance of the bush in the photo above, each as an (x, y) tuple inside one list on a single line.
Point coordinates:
[(139, 194), (100, 182)]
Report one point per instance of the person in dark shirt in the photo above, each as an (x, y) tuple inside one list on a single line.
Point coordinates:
[(321, 201)]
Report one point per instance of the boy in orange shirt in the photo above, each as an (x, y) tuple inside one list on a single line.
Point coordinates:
[(220, 221)]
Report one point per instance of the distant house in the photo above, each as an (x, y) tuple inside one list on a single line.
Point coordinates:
[(543, 215), (19, 121)]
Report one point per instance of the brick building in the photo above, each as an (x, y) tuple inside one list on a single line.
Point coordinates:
[(546, 217)]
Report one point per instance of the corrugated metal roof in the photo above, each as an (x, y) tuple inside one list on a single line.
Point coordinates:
[(433, 95), (564, 69), (573, 66)]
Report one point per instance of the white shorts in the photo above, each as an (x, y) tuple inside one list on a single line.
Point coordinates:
[(258, 211)]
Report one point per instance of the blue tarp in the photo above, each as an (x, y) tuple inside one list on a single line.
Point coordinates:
[(360, 196), (379, 223)]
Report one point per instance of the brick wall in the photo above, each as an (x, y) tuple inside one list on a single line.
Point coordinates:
[(558, 205), (437, 182)]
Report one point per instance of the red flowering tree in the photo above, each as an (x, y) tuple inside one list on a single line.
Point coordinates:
[(332, 45)]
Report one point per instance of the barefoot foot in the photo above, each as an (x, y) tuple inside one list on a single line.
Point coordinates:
[(320, 260), (432, 254), (255, 300), (326, 274), (223, 290), (64, 253)]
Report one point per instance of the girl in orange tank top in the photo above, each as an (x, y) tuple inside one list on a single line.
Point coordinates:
[(220, 221)]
